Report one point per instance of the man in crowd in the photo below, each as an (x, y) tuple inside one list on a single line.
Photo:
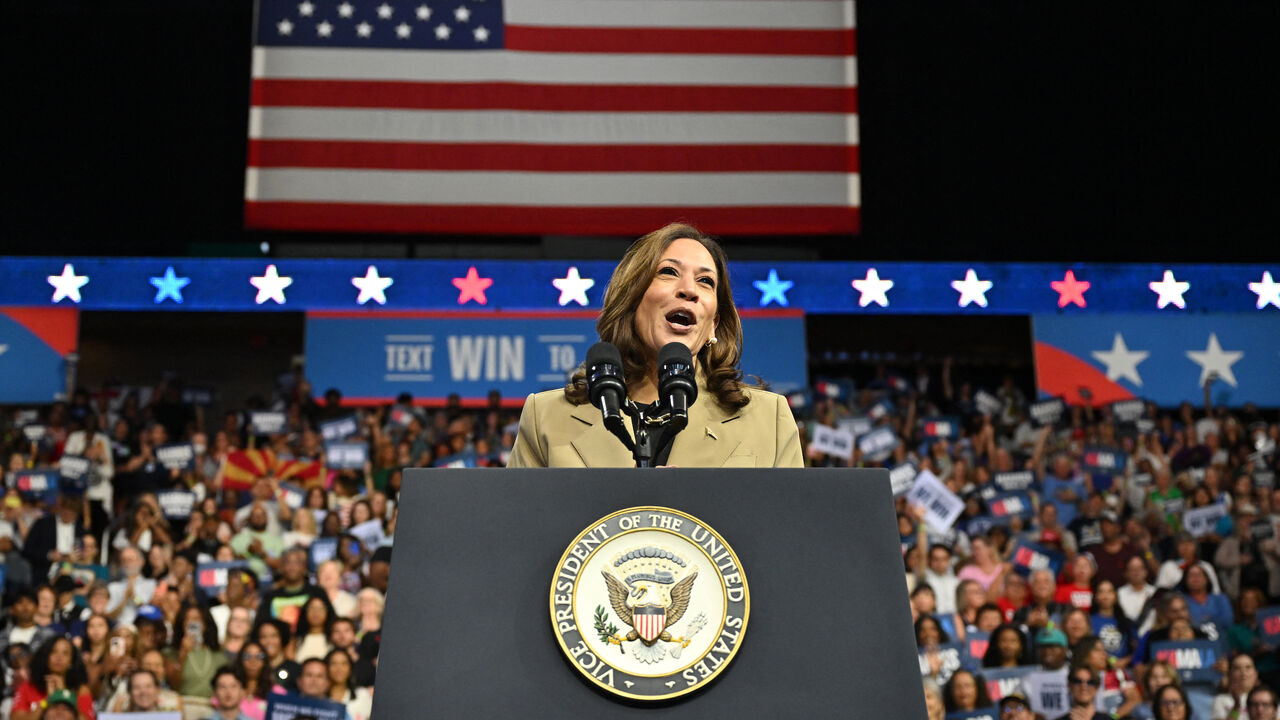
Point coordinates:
[(1083, 687), (53, 537), (257, 543), (292, 590), (941, 576), (228, 693), (313, 681), (132, 591), (1112, 554)]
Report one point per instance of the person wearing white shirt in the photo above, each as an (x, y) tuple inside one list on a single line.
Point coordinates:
[(1134, 594), (96, 447), (130, 592), (942, 578)]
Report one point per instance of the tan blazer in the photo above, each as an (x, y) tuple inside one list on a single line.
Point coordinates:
[(555, 433)]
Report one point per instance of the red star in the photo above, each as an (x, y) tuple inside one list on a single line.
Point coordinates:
[(1069, 289), (472, 287)]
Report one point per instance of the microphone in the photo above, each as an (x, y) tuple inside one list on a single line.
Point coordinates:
[(676, 385), (605, 386)]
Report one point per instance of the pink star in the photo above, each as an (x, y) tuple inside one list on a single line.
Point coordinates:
[(472, 287), (1069, 289)]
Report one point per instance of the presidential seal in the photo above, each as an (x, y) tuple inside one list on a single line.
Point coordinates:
[(649, 603)]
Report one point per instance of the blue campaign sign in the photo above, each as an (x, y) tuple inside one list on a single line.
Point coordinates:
[(1016, 481), (287, 707), (1007, 505), (1028, 557), (34, 345), (941, 427), (375, 356), (951, 656), (1100, 460), (1003, 681), (36, 483), (1165, 358), (1269, 625), (1193, 659), (975, 646), (212, 577)]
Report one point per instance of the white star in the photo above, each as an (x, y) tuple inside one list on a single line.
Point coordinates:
[(424, 12), (1215, 360), (873, 289), (462, 14), (68, 284), (442, 32), (285, 27), (364, 29), (1121, 362), (573, 288), (305, 8), (346, 9), (1268, 291), (972, 289), (270, 286), (1170, 291), (324, 29), (372, 287), (403, 30), (481, 33), (384, 11)]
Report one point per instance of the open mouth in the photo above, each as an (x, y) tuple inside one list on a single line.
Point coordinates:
[(680, 318)]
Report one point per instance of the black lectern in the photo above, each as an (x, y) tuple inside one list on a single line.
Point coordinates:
[(467, 632)]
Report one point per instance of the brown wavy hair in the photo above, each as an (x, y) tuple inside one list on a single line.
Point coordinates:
[(718, 362)]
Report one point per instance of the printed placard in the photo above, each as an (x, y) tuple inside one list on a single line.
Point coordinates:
[(212, 577), (1048, 413), (340, 429), (952, 657), (878, 444), (942, 506), (1201, 521), (36, 482), (177, 456), (176, 504), (975, 646), (401, 416), (1018, 481), (287, 707), (1029, 557), (881, 409), (1002, 681), (856, 426), (1047, 692), (1103, 460), (34, 432), (369, 533), (323, 550), (1193, 659), (987, 404), (74, 467), (1127, 411), (832, 441), (294, 495), (902, 478), (1264, 479), (1262, 529), (266, 422), (944, 426), (1009, 505), (1269, 625), (197, 395), (346, 456)]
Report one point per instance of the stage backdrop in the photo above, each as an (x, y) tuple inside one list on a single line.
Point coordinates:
[(373, 357), (34, 345)]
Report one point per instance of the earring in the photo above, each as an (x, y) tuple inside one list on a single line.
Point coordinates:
[(712, 341)]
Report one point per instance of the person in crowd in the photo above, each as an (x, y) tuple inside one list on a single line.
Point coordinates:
[(1079, 592), (1006, 648), (228, 693), (933, 703), (1188, 554), (343, 687), (1171, 703), (329, 579), (275, 639), (194, 655), (55, 665), (257, 544), (1082, 688), (1136, 594), (240, 593), (239, 625), (1171, 608), (1110, 624), (313, 679), (965, 692), (1159, 674), (1051, 647), (1016, 595), (672, 285), (255, 669), (1245, 636), (1242, 676), (20, 628), (940, 575), (1112, 555), (94, 445), (61, 705), (1042, 609), (1075, 625), (986, 567), (1240, 558), (370, 604), (1261, 703), (1206, 607), (291, 591), (132, 590), (1015, 706), (94, 646), (314, 623), (53, 537), (1118, 694), (969, 598)]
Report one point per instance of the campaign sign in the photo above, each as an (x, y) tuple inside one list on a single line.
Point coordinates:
[(287, 707), (941, 427), (1011, 505), (832, 441), (36, 482), (990, 712), (987, 404), (942, 506), (176, 504), (878, 444), (1269, 625), (1193, 659), (1128, 411), (1262, 529), (294, 495), (401, 416), (346, 456), (369, 533), (1264, 479), (1201, 521), (1103, 460), (177, 456), (952, 657), (1019, 481), (1002, 681), (74, 468), (197, 395), (975, 646), (34, 433), (84, 574), (902, 477), (323, 550), (856, 426), (1048, 413), (1029, 557), (212, 577), (339, 430), (158, 715), (881, 409), (1047, 692), (266, 423)]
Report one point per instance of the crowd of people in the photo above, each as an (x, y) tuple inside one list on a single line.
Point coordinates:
[(246, 565)]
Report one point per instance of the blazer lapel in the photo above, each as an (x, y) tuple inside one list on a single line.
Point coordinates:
[(596, 446), (704, 442)]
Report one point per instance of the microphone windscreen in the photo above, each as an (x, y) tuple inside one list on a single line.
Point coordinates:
[(603, 352), (675, 352)]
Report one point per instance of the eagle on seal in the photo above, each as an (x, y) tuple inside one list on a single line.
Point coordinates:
[(668, 615)]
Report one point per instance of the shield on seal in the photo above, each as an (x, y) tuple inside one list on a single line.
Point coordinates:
[(649, 621)]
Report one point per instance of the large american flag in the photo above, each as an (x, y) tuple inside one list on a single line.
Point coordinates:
[(554, 116)]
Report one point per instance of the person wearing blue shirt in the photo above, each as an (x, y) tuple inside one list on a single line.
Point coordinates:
[(1065, 488), (1206, 607)]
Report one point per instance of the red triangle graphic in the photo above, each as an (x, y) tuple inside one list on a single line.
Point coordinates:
[(1058, 372), (59, 328)]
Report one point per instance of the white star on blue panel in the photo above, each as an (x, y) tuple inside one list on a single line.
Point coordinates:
[(772, 289), (169, 285)]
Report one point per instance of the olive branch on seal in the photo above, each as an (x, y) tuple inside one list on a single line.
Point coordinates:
[(602, 617)]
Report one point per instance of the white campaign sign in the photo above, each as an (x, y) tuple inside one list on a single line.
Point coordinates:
[(832, 441), (942, 506), (1201, 521)]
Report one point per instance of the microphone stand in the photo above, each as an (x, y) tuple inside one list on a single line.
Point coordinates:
[(652, 434)]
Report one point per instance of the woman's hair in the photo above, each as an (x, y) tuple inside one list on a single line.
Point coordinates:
[(948, 691), (210, 636), (282, 627), (263, 679), (76, 676), (1157, 709), (616, 325), (992, 657), (1169, 671), (351, 676), (304, 625), (943, 637), (1080, 651)]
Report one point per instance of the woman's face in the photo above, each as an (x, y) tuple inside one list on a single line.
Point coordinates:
[(60, 657), (1169, 705), (368, 604), (1097, 657), (965, 691), (1196, 579), (46, 601), (1158, 677), (1181, 630), (192, 615), (1076, 625), (1243, 674), (316, 615), (153, 661), (327, 576), (975, 596), (1082, 570), (928, 634), (96, 629), (680, 304), (933, 702), (981, 551), (1104, 596), (339, 668), (360, 513), (269, 638), (239, 624), (254, 657), (316, 499), (1010, 645)]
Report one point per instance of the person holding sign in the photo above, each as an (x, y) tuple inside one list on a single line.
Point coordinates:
[(1206, 607), (1245, 636), (672, 285), (1242, 676)]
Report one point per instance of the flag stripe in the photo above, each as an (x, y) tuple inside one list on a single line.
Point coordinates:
[(521, 188), (406, 95), (569, 220), (552, 157), (670, 40), (763, 14), (550, 127), (565, 68)]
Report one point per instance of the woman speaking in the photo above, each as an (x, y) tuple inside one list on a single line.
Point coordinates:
[(672, 285)]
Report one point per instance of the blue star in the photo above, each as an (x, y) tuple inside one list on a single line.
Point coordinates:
[(773, 289), (169, 285)]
